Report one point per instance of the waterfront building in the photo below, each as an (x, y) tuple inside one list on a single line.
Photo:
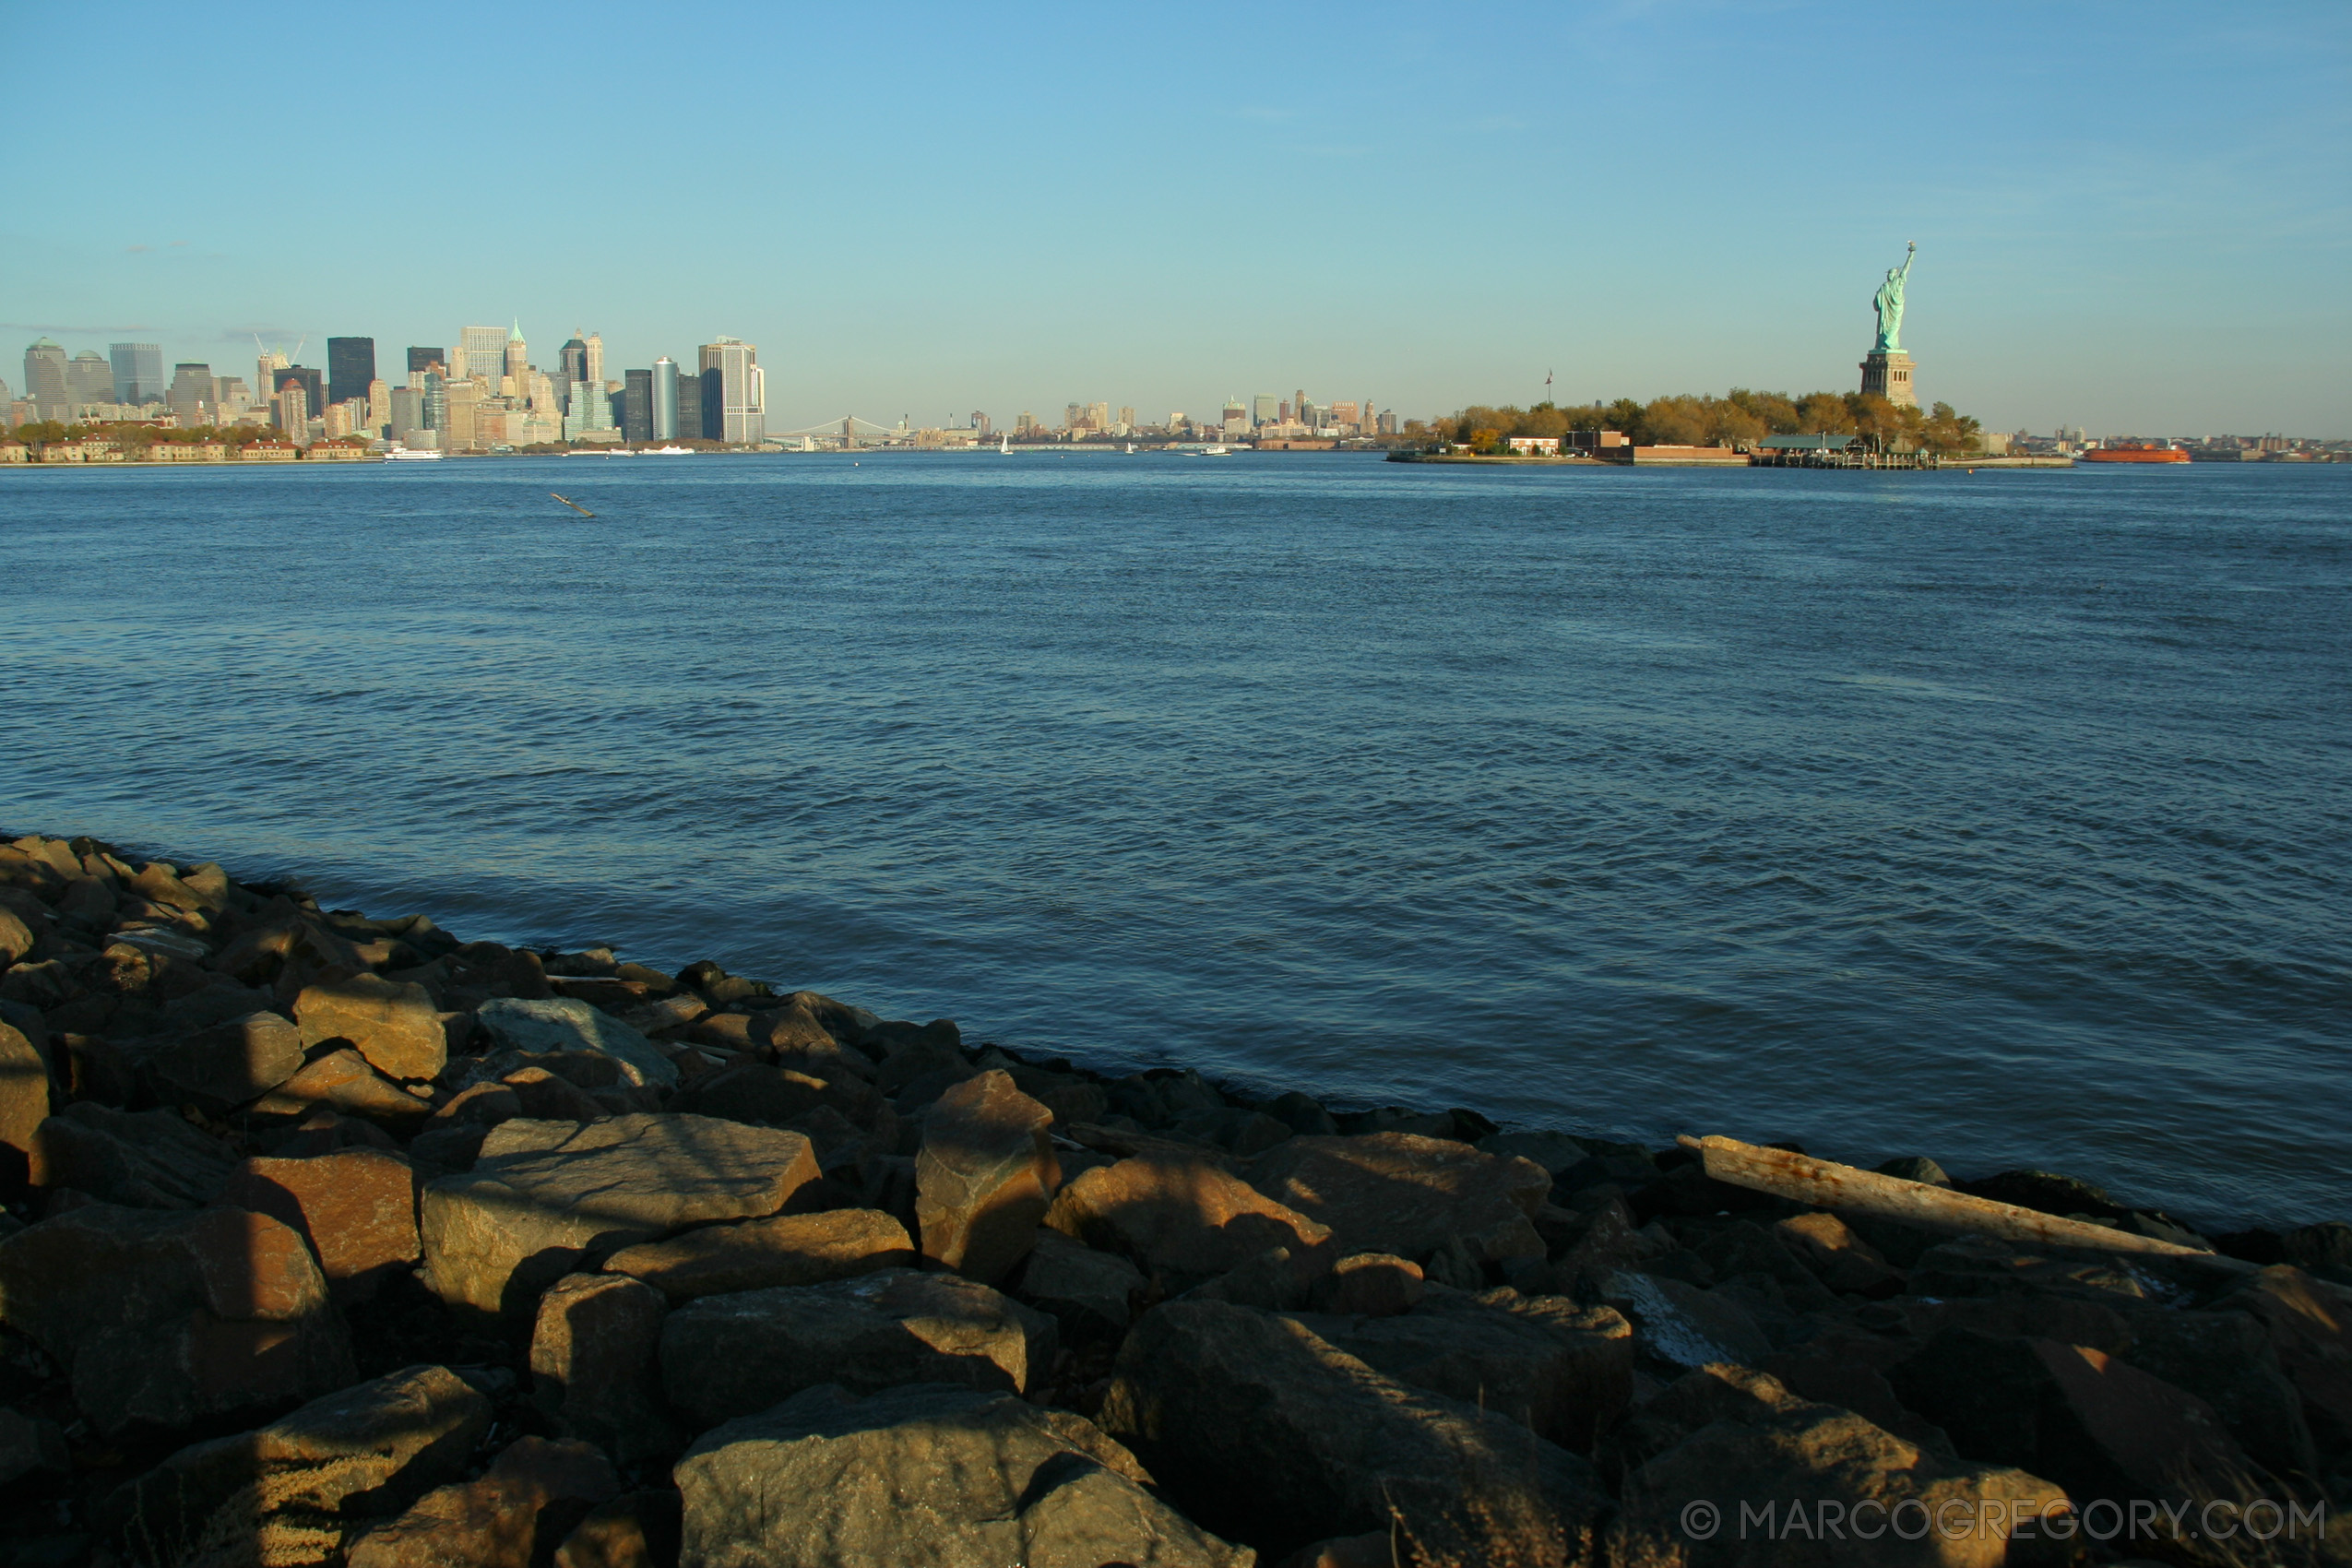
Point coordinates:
[(1024, 425), (293, 406), (592, 357), (590, 413), (435, 396), (518, 360), (406, 415), (191, 395), (485, 351), (1177, 422), (351, 365), (980, 425), (1261, 408), (1236, 419), (1388, 422), (690, 405), (423, 360), (571, 361), (464, 400), (734, 393), (379, 406), (89, 380), (664, 422), (45, 380), (636, 405), (136, 372)]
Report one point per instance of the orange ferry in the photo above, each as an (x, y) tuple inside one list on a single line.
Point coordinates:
[(2132, 454)]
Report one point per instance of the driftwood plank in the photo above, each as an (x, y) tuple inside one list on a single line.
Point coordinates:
[(1824, 1184)]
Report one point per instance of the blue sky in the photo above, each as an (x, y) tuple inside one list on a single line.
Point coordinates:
[(2131, 217)]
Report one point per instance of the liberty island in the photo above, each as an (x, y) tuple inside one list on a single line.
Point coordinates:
[(1886, 369)]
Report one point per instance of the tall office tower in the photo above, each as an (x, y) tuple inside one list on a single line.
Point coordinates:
[(1237, 418), (1127, 415), (1073, 415), (690, 405), (292, 404), (462, 403), (46, 387), (89, 379), (591, 410), (519, 361), (636, 405), (436, 393), (571, 359), (266, 368), (1261, 408), (230, 395), (423, 360), (1282, 411), (979, 425), (1177, 422), (1099, 415), (191, 396), (731, 367), (308, 379), (592, 357), (485, 351), (379, 406), (406, 415), (1299, 406), (138, 372), (665, 399), (351, 365), (1025, 423)]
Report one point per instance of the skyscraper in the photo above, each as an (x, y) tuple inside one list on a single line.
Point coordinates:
[(665, 399), (294, 411), (45, 380), (379, 406), (305, 377), (519, 361), (138, 372), (1261, 408), (436, 405), (267, 365), (89, 379), (636, 405), (423, 360), (485, 351), (731, 367), (191, 395), (690, 405), (592, 357), (351, 365)]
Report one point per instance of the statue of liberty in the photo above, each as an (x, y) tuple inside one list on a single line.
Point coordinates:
[(1888, 302)]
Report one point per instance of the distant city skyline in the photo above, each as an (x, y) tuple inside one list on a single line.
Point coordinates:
[(2124, 215)]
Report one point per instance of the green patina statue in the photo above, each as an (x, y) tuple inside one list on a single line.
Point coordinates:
[(1888, 302)]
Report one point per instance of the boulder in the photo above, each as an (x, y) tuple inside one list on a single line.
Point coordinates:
[(985, 1176), (1678, 1325), (1841, 1260), (357, 1207), (1263, 1430), (543, 1198), (342, 1081), (727, 1356), (395, 1027), (1089, 1293), (29, 1443), (558, 1024), (1565, 1371), (162, 1319), (637, 1529), (2226, 1359), (15, 937), (1408, 1195), (233, 1062), (2309, 1328), (286, 1493), (543, 1097), (1725, 1443), (138, 1158), (757, 1254), (23, 1106), (524, 1505), (1370, 1285), (1178, 1216), (595, 1362), (2095, 1424), (754, 1091), (947, 1477)]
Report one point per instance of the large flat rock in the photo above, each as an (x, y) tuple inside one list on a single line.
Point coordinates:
[(1178, 1216), (558, 1024), (947, 1477), (757, 1254), (1402, 1193), (546, 1198), (728, 1356)]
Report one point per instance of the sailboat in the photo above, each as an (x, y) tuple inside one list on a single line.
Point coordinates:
[(1003, 444)]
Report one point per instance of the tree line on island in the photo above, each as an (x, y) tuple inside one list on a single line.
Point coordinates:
[(1740, 418)]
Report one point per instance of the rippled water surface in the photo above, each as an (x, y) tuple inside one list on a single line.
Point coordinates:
[(2000, 817)]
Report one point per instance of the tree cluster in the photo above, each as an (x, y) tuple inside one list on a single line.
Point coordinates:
[(1740, 418)]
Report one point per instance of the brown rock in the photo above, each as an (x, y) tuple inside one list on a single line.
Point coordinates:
[(484, 1105), (1408, 1195), (985, 1176), (752, 1091), (528, 1501), (596, 1364), (543, 1097), (343, 1081), (394, 1027), (544, 1197), (1842, 1260), (23, 1106), (1178, 1216), (141, 1159), (792, 1249), (1370, 1285), (233, 1062), (1089, 1293), (162, 1319), (286, 1493), (15, 937), (2311, 1331), (355, 1206), (637, 1529)]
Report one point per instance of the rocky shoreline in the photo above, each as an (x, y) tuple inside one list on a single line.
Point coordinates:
[(333, 1239)]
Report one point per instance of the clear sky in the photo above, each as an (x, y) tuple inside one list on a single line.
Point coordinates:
[(2131, 217)]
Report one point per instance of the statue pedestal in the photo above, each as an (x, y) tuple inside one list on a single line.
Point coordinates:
[(1889, 375)]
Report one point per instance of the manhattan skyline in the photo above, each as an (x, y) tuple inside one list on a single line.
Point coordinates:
[(2121, 214)]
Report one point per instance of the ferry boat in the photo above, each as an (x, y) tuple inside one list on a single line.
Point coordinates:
[(410, 455), (2167, 454), (671, 452)]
